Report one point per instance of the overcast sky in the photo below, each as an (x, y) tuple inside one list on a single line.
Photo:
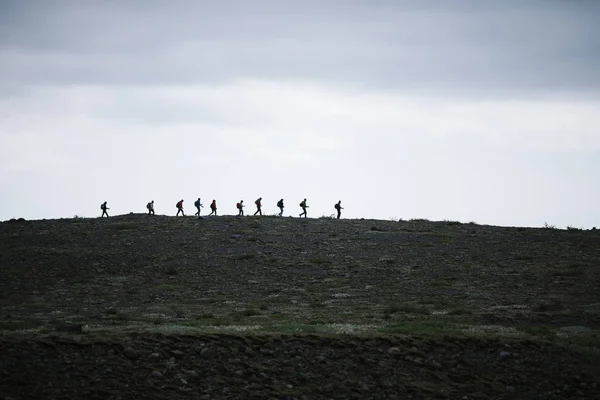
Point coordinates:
[(485, 111)]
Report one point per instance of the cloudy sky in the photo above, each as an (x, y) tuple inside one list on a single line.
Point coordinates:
[(485, 111)]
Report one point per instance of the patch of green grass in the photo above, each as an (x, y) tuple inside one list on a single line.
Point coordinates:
[(121, 317), (437, 283), (459, 311), (585, 339), (524, 257), (35, 306), (421, 328), (406, 308), (167, 287), (317, 304), (319, 260), (205, 316), (546, 306), (248, 312), (291, 328), (17, 325), (535, 330)]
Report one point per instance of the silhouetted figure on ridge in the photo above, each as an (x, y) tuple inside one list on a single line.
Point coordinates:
[(304, 207), (280, 205), (258, 206), (198, 206), (150, 207), (339, 208), (179, 206), (213, 208), (240, 206), (104, 208)]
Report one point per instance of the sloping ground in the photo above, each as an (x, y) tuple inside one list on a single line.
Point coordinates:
[(463, 295), (292, 367)]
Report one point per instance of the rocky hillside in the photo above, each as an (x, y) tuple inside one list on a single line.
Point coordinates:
[(228, 307)]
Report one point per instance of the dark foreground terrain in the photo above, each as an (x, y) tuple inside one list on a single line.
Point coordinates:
[(225, 307)]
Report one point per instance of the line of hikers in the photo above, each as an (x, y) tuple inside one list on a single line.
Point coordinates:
[(240, 206)]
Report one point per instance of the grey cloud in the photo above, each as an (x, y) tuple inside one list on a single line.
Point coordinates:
[(468, 47)]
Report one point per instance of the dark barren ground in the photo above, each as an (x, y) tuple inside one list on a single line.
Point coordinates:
[(225, 307)]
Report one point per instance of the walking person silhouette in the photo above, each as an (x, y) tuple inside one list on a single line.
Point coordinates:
[(213, 208), (104, 208), (258, 206), (150, 207), (179, 206), (198, 205), (304, 207), (339, 208)]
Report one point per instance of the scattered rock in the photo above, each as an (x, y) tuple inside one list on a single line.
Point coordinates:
[(177, 353), (207, 352), (157, 374), (394, 352), (504, 354), (130, 353)]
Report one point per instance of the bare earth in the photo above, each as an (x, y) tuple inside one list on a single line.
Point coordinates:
[(161, 307)]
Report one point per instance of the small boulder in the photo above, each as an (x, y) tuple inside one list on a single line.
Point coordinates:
[(394, 352), (130, 353), (207, 352), (177, 353)]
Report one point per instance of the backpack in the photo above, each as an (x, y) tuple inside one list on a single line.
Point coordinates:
[(280, 203), (179, 205), (197, 203), (257, 202), (336, 206), (148, 206), (238, 206)]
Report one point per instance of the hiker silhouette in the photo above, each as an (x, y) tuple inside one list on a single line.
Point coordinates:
[(339, 208), (179, 206), (198, 206), (304, 207), (104, 208), (240, 206), (280, 205), (213, 208), (150, 207), (258, 206)]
